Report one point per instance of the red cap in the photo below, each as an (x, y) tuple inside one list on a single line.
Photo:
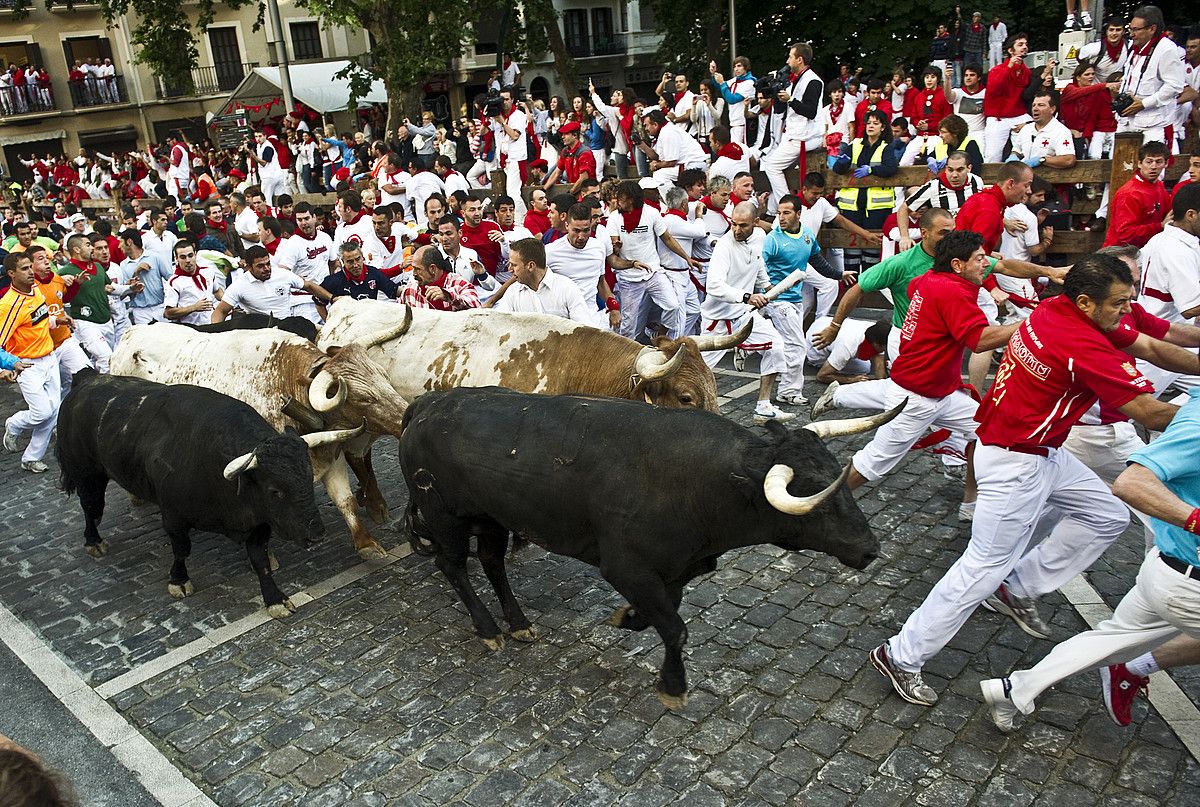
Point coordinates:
[(236, 174), (569, 127), (542, 163)]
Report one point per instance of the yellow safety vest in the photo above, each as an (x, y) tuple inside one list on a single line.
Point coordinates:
[(941, 150), (877, 198)]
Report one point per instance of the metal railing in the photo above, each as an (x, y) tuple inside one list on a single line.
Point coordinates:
[(206, 80), (26, 100), (609, 45), (98, 91)]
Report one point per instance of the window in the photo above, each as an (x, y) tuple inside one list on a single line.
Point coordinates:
[(575, 31), (487, 31), (227, 57), (86, 48), (306, 41)]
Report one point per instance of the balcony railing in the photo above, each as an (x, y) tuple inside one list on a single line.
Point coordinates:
[(609, 45), (206, 80), (98, 91), (26, 100)]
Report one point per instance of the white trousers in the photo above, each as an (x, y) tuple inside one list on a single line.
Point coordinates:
[(40, 387), (689, 295), (863, 395), (1106, 449), (781, 158), (737, 134), (273, 185), (788, 319), (635, 295), (480, 175), (996, 133), (147, 314), (819, 294), (995, 54), (763, 339), (1014, 491), (1161, 605), (71, 359), (893, 440), (98, 340), (512, 187)]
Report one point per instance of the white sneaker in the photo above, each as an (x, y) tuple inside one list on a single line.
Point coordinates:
[(739, 359), (35, 466), (1087, 20), (825, 402), (1069, 25), (997, 695), (794, 400), (966, 511), (761, 416), (10, 440)]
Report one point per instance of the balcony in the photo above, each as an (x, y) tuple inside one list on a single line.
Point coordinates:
[(207, 80), (15, 101), (95, 92), (608, 45)]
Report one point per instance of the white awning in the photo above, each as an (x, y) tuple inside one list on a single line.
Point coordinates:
[(18, 139), (312, 84)]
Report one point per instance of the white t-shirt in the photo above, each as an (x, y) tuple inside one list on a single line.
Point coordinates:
[(180, 292), (307, 257), (360, 232), (420, 187), (641, 245), (842, 355), (969, 107), (271, 296), (509, 74), (1017, 246), (674, 143), (400, 178), (515, 149), (246, 223), (583, 267), (163, 245), (1052, 140), (1171, 278), (821, 212), (555, 295)]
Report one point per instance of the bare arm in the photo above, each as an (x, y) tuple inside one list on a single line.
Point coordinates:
[(1139, 488), (994, 336), (1150, 412), (1165, 355), (849, 302), (1183, 334), (222, 311)]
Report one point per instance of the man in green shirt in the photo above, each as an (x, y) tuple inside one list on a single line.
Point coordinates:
[(86, 300)]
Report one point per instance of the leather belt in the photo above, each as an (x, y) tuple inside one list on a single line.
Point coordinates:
[(1184, 569)]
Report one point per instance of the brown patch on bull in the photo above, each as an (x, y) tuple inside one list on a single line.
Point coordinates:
[(617, 618), (594, 362)]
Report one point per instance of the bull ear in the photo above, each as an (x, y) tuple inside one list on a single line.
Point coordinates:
[(333, 350), (776, 431)]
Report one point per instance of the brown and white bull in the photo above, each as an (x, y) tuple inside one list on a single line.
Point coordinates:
[(528, 353), (290, 382)]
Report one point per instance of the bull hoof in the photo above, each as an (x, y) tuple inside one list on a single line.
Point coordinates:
[(281, 610), (179, 592), (372, 551), (272, 561), (493, 644), (97, 550), (672, 702), (420, 546), (619, 617), (525, 634)]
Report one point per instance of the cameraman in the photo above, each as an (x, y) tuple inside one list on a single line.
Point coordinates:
[(510, 128), (801, 95), (1154, 77)]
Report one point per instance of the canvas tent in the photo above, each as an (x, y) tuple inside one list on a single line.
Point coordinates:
[(312, 84)]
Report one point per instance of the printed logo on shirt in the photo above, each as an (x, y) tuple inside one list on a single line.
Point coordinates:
[(1022, 354), (315, 251), (1130, 369), (39, 314), (910, 319)]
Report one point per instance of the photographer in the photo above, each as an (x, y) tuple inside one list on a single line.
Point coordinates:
[(426, 151), (509, 124), (1154, 77), (801, 93)]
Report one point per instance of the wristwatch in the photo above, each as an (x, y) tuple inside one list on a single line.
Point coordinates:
[(746, 297)]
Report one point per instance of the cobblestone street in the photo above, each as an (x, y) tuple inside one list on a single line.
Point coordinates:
[(376, 690)]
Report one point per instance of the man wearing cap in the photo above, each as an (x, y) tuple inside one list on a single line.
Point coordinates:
[(575, 161), (77, 224), (538, 169)]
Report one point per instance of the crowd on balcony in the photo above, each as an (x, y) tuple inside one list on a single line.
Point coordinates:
[(93, 82), (25, 89)]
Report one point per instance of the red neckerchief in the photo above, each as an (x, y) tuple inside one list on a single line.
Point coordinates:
[(357, 217), (1114, 51), (196, 278), (679, 97), (796, 76), (1145, 49), (835, 112), (388, 241), (300, 233), (358, 279), (440, 305), (673, 212), (736, 200), (976, 27), (219, 226), (88, 268), (866, 351), (625, 112), (653, 204), (632, 219), (708, 203), (731, 150)]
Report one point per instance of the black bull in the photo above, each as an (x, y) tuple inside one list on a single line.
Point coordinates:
[(650, 496), (208, 461), (300, 326)]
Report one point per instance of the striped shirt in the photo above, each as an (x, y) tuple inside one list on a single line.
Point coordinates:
[(936, 194)]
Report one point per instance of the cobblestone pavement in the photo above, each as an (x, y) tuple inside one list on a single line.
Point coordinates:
[(378, 693)]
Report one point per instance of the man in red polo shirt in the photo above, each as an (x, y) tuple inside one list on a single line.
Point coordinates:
[(983, 212), (1003, 107), (1062, 358), (943, 319), (575, 162), (482, 235), (1139, 206)]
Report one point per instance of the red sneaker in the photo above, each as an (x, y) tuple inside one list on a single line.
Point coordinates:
[(1120, 688)]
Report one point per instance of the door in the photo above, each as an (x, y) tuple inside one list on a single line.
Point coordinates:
[(227, 57)]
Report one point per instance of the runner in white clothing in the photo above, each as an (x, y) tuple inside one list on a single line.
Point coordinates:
[(309, 254), (581, 258), (535, 289), (263, 290)]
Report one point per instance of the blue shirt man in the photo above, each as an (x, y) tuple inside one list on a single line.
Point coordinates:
[(1172, 458), (153, 278)]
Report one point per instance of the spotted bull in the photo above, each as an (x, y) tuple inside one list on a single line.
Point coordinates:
[(651, 496), (290, 382)]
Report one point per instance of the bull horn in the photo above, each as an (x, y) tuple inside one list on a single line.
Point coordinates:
[(775, 487), (318, 439), (301, 414), (389, 334), (712, 341), (650, 364), (840, 428), (240, 465), (317, 392)]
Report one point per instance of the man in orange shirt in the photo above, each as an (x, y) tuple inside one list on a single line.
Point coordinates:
[(71, 358), (25, 322)]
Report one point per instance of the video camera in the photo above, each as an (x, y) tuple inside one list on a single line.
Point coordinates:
[(493, 103), (772, 84)]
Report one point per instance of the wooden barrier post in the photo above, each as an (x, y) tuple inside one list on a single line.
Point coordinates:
[(1124, 159)]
